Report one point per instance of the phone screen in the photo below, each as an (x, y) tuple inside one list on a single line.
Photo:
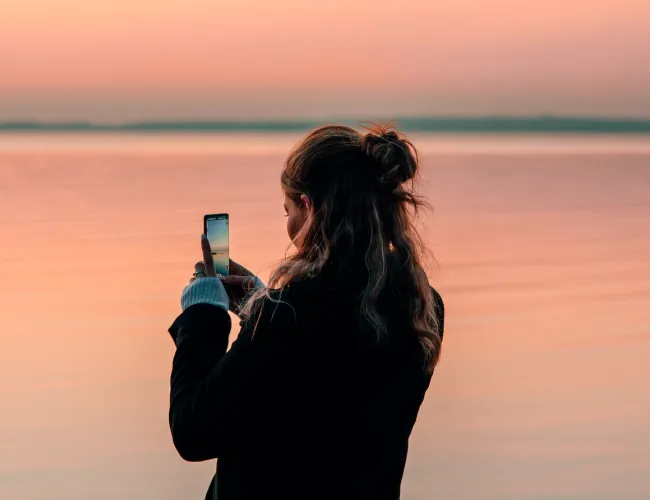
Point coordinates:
[(216, 229)]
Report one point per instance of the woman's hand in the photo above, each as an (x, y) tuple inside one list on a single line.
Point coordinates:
[(239, 285), (204, 268), (204, 286)]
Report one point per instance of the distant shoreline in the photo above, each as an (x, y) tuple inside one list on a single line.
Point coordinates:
[(441, 125)]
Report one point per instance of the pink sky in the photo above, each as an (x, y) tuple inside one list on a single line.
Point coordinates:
[(129, 59)]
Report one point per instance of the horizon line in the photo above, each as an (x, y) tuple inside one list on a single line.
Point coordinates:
[(440, 124)]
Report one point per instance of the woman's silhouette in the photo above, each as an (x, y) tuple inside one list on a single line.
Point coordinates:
[(318, 395)]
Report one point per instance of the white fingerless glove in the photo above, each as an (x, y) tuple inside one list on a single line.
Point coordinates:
[(208, 290)]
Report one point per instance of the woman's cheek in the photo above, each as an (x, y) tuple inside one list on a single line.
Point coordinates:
[(295, 227), (292, 229)]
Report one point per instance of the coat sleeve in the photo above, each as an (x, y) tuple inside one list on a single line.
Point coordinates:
[(203, 400), (212, 386)]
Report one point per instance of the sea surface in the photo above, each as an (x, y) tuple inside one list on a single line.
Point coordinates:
[(542, 248)]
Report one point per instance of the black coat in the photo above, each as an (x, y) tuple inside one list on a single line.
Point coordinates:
[(309, 407)]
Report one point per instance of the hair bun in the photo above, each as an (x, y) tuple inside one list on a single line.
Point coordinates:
[(393, 157)]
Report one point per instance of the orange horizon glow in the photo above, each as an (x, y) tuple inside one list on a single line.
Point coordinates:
[(168, 58)]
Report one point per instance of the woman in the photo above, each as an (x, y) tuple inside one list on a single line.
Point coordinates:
[(318, 395)]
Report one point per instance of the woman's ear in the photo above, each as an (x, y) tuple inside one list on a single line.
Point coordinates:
[(305, 201)]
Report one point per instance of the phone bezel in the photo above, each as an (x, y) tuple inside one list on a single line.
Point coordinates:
[(207, 217)]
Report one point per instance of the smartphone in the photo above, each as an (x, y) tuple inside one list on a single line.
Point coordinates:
[(215, 227)]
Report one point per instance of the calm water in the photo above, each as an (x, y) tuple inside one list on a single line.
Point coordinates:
[(543, 251)]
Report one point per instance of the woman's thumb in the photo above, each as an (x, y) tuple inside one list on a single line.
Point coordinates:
[(245, 282)]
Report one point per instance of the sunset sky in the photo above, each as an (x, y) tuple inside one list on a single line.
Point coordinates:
[(166, 59)]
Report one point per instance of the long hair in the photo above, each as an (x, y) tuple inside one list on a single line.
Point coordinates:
[(364, 208)]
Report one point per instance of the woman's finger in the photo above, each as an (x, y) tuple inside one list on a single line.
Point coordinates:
[(199, 267), (239, 270), (207, 257), (247, 283)]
